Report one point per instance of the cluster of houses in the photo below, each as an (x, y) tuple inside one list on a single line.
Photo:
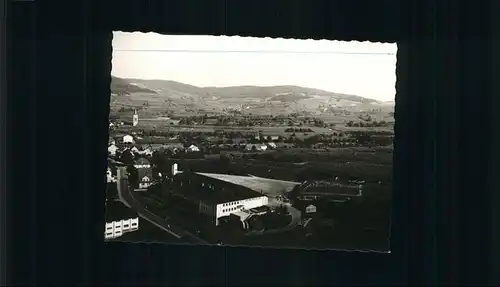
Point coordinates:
[(128, 142), (144, 172)]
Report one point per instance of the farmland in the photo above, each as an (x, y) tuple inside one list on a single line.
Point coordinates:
[(269, 139)]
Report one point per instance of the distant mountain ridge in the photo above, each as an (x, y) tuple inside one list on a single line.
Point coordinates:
[(273, 93), (161, 95)]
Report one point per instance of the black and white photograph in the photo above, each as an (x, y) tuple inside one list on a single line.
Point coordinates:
[(255, 142)]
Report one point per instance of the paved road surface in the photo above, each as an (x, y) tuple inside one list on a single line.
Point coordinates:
[(128, 199)]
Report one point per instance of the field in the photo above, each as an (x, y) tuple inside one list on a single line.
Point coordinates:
[(303, 164), (148, 125), (361, 223)]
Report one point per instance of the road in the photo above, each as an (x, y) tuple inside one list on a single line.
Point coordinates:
[(129, 200)]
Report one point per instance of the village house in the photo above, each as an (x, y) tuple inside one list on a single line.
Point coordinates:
[(310, 209), (109, 176), (193, 148), (112, 149), (144, 171), (145, 177)]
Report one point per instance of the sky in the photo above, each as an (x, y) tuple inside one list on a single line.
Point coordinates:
[(359, 68)]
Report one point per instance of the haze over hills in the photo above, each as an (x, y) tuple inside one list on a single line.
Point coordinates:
[(128, 92)]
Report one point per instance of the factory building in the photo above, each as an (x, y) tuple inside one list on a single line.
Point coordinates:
[(119, 220), (215, 198)]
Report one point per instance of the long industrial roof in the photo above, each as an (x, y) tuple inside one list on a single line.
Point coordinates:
[(267, 186)]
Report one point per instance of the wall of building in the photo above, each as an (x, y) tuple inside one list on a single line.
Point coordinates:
[(116, 229), (226, 208), (207, 209)]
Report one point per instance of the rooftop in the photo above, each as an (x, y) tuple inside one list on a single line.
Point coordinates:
[(269, 187), (225, 192)]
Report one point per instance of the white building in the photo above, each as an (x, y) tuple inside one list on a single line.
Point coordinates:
[(112, 149), (216, 198), (175, 169), (145, 182), (311, 209), (128, 139), (145, 172), (228, 208), (109, 176), (193, 148), (115, 229)]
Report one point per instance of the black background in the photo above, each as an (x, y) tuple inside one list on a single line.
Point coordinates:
[(59, 68)]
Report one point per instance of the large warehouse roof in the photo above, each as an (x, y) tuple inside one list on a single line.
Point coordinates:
[(269, 187), (227, 191)]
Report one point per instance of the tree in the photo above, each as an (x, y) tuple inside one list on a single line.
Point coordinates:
[(127, 157), (133, 176)]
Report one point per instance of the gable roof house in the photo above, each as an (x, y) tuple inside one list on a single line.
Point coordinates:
[(145, 177), (112, 149), (128, 139), (193, 148)]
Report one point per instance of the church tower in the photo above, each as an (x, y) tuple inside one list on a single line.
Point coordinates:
[(135, 119)]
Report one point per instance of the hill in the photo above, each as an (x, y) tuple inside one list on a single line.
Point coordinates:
[(162, 94), (124, 87)]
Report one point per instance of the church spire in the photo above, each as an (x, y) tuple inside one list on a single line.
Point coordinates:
[(135, 118)]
